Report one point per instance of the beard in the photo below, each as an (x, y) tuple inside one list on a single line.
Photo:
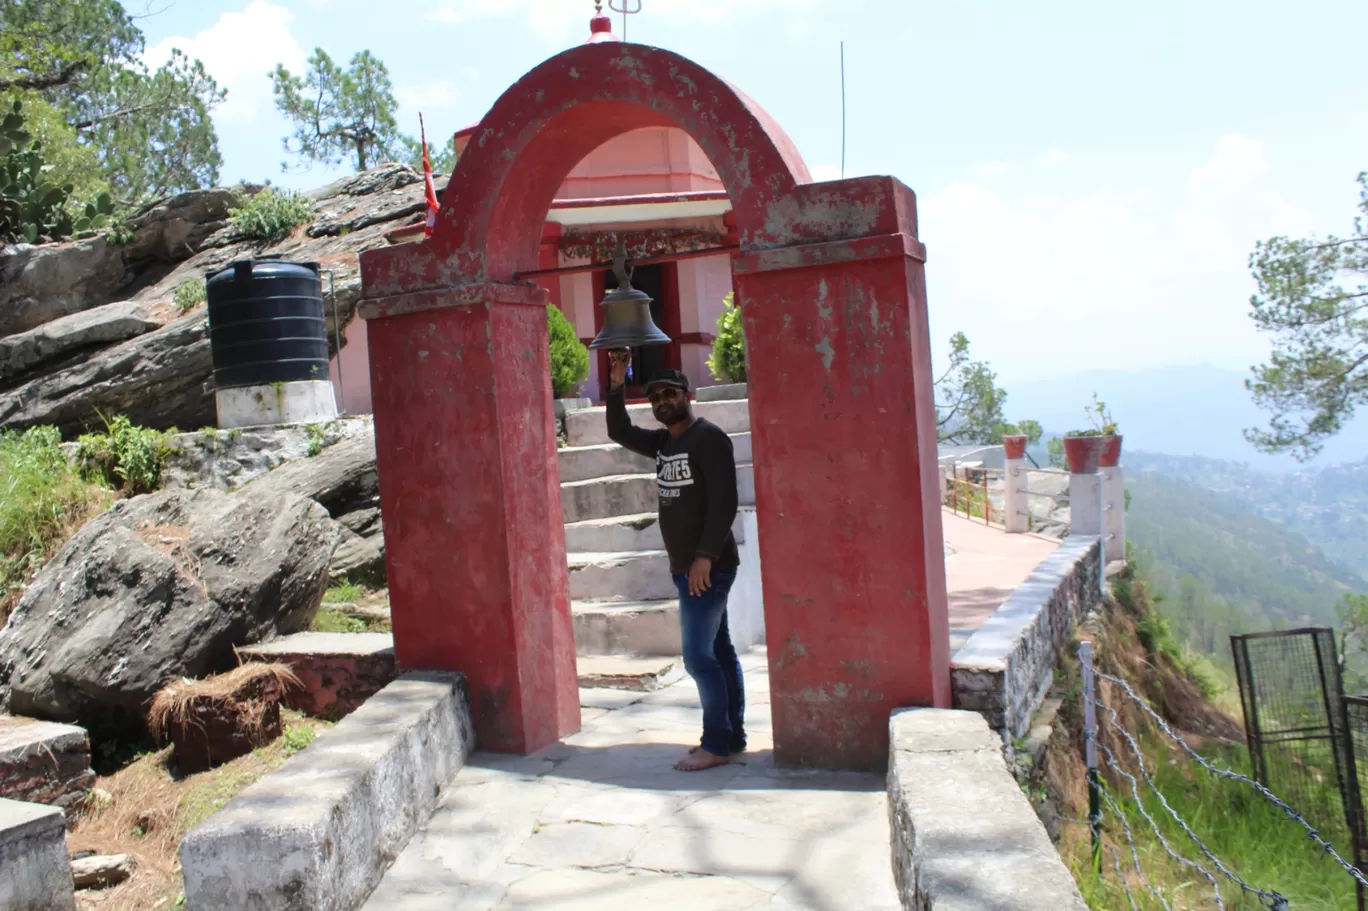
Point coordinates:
[(668, 413)]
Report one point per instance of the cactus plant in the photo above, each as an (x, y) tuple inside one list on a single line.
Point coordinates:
[(31, 206)]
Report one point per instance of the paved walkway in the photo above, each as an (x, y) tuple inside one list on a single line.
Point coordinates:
[(602, 822), (984, 566)]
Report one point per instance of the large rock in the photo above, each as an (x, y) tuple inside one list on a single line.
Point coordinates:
[(48, 282), (161, 586), (71, 335), (161, 379), (175, 229)]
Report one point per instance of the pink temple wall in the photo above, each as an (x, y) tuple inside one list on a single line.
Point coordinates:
[(354, 380)]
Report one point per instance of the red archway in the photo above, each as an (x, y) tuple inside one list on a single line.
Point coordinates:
[(830, 276)]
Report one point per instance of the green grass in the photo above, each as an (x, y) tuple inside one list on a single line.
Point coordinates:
[(344, 592), (43, 498), (1251, 836)]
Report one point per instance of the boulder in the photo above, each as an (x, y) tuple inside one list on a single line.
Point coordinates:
[(47, 282), (161, 586), (160, 379), (342, 478), (100, 871), (174, 229), (61, 338)]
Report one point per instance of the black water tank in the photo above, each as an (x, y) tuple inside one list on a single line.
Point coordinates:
[(266, 323)]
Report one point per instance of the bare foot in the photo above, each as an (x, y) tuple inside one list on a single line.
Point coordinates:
[(699, 759)]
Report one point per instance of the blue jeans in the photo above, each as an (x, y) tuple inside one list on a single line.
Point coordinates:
[(711, 661)]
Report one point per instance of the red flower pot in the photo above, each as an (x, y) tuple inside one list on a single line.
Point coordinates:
[(1111, 451), (1015, 444), (1084, 453)]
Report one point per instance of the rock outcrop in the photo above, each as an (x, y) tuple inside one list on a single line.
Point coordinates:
[(71, 336), (161, 586), (48, 282)]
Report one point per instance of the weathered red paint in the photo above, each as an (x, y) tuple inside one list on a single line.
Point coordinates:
[(831, 284)]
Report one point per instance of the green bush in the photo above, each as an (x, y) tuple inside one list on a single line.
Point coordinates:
[(728, 360), (42, 497), (125, 456), (190, 294), (569, 357), (271, 214)]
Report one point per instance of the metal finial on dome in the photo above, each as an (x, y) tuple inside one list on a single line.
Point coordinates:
[(601, 26)]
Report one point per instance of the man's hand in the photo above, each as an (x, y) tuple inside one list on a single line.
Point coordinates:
[(700, 576), (620, 359)]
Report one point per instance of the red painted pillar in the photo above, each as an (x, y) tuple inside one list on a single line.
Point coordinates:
[(474, 543), (844, 430)]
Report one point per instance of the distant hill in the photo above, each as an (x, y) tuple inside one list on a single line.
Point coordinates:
[(1223, 568), (1182, 410), (1328, 505)]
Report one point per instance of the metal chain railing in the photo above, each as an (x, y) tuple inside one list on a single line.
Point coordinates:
[(1213, 870)]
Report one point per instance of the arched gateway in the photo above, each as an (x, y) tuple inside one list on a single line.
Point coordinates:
[(830, 278)]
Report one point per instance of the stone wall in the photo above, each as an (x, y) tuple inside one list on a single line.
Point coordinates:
[(44, 762), (962, 833), (1005, 669)]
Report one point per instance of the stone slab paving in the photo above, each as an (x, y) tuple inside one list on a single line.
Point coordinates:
[(984, 566), (602, 822)]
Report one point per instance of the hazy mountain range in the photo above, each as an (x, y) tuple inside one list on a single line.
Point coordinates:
[(1184, 410)]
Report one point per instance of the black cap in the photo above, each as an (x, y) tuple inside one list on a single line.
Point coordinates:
[(671, 378)]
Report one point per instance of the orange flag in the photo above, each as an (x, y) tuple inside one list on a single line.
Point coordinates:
[(429, 189)]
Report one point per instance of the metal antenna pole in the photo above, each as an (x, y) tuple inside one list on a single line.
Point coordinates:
[(843, 111)]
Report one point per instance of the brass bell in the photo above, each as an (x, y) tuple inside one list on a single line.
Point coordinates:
[(627, 319)]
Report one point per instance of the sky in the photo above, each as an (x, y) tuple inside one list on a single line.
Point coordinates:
[(1091, 177)]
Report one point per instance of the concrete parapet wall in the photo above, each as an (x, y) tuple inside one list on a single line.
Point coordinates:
[(35, 871), (320, 831), (1006, 667), (963, 835)]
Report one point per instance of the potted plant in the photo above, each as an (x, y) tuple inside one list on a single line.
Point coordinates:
[(1084, 449), (1014, 444)]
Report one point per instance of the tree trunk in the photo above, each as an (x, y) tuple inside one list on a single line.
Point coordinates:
[(360, 155)]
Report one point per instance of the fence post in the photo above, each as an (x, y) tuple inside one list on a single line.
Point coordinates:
[(1018, 519), (1085, 657), (1114, 514)]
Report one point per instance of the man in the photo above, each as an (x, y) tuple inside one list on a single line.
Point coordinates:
[(696, 478)]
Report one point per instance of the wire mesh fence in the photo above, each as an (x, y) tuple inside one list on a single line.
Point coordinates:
[(1291, 693), (1356, 731), (1172, 827)]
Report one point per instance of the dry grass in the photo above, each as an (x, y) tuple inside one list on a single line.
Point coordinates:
[(144, 810), (174, 703)]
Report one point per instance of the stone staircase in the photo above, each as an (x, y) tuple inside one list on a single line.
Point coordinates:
[(622, 597)]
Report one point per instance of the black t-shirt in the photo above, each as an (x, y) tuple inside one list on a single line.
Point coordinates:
[(696, 478)]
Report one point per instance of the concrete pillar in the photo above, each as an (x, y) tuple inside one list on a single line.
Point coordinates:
[(1085, 503), (1018, 519), (465, 447), (1114, 518), (1018, 514), (844, 435)]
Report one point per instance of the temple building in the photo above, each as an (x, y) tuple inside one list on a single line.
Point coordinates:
[(652, 189)]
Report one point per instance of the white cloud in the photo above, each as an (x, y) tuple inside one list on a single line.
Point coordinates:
[(1053, 158), (1114, 277), (240, 50), (824, 172), (428, 96), (991, 169)]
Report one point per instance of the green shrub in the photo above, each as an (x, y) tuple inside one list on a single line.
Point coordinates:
[(190, 294), (271, 214), (124, 456), (728, 360), (569, 357), (42, 499)]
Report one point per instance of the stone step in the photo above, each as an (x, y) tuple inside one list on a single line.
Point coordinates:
[(640, 675), (589, 427), (631, 494), (638, 575), (339, 671), (625, 628), (583, 463), (620, 533)]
